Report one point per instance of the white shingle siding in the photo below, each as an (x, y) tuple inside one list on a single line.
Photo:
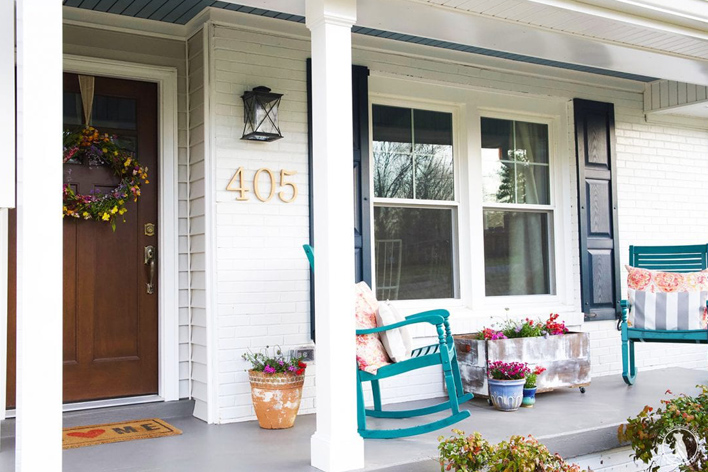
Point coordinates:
[(197, 64)]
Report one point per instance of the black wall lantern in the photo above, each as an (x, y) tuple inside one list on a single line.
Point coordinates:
[(260, 115)]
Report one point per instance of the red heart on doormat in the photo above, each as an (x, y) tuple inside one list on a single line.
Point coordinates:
[(88, 434)]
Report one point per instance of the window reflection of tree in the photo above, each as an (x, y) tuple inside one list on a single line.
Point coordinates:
[(430, 167), (434, 172), (393, 170)]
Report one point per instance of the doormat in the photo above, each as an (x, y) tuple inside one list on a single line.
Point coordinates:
[(96, 434)]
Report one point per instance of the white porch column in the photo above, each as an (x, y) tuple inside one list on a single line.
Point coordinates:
[(336, 445), (7, 163), (39, 236)]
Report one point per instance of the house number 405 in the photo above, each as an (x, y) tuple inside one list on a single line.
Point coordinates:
[(287, 196)]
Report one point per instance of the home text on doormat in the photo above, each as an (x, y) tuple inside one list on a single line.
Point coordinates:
[(93, 435)]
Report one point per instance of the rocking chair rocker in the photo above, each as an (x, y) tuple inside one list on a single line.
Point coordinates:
[(443, 353)]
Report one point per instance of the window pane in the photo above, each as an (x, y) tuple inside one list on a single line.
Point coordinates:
[(393, 173), (108, 112), (73, 113), (432, 127), (498, 178), (516, 248), (434, 176), (532, 139), (532, 184), (114, 112), (392, 124), (515, 162), (413, 253)]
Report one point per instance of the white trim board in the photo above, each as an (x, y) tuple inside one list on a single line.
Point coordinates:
[(168, 231), (7, 103), (210, 225), (3, 308)]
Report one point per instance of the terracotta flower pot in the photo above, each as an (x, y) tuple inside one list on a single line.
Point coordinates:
[(276, 398)]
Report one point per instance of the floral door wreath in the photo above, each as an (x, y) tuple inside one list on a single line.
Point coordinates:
[(90, 144)]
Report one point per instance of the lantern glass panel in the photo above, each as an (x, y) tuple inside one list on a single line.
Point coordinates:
[(261, 115)]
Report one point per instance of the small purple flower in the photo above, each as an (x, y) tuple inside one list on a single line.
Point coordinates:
[(269, 370), (281, 362), (292, 368)]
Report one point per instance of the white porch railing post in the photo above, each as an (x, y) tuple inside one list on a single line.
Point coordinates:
[(39, 236), (336, 445)]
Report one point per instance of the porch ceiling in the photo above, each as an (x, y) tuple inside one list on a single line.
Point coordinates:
[(631, 42), (642, 28)]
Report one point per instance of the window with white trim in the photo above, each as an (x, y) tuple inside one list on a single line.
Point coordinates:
[(517, 208), (415, 205)]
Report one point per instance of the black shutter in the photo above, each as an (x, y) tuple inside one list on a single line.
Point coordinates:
[(597, 209), (362, 190), (362, 213)]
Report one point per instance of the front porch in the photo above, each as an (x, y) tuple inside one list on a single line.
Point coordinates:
[(232, 275), (567, 421)]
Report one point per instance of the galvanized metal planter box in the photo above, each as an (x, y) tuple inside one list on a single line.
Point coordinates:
[(566, 358)]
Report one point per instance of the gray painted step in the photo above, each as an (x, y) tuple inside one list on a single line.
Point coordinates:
[(163, 410)]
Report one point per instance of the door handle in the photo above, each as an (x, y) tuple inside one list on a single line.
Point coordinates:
[(150, 261)]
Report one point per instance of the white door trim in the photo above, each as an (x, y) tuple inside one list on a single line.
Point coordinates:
[(167, 221), (3, 308)]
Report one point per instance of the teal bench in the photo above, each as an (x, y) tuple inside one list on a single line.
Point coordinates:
[(443, 353), (667, 259)]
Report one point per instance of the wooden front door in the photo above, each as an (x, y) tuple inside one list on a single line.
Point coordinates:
[(110, 319)]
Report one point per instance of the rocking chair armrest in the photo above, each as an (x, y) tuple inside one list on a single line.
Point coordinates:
[(624, 304), (432, 319), (439, 312)]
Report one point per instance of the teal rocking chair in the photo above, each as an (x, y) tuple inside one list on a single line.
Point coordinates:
[(443, 353), (666, 259)]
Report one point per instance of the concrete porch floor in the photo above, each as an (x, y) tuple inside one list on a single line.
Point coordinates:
[(568, 422)]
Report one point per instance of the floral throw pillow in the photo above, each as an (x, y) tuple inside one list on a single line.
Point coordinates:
[(370, 352), (657, 282)]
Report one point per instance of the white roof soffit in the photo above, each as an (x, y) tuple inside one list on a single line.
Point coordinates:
[(445, 23)]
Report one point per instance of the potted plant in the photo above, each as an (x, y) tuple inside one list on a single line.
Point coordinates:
[(473, 453), (506, 384), (276, 387), (530, 387), (564, 354)]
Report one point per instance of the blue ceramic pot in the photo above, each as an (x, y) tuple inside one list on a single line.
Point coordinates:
[(529, 397), (506, 395)]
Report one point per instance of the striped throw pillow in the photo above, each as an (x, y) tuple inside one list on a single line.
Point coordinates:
[(667, 310)]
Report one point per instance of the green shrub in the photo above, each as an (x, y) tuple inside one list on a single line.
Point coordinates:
[(647, 431), (520, 454)]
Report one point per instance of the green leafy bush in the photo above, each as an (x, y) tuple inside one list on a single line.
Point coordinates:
[(473, 453), (648, 431)]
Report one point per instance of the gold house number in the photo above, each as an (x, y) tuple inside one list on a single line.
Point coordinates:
[(236, 185)]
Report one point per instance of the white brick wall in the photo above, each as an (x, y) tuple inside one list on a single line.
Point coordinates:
[(262, 275), (661, 175)]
